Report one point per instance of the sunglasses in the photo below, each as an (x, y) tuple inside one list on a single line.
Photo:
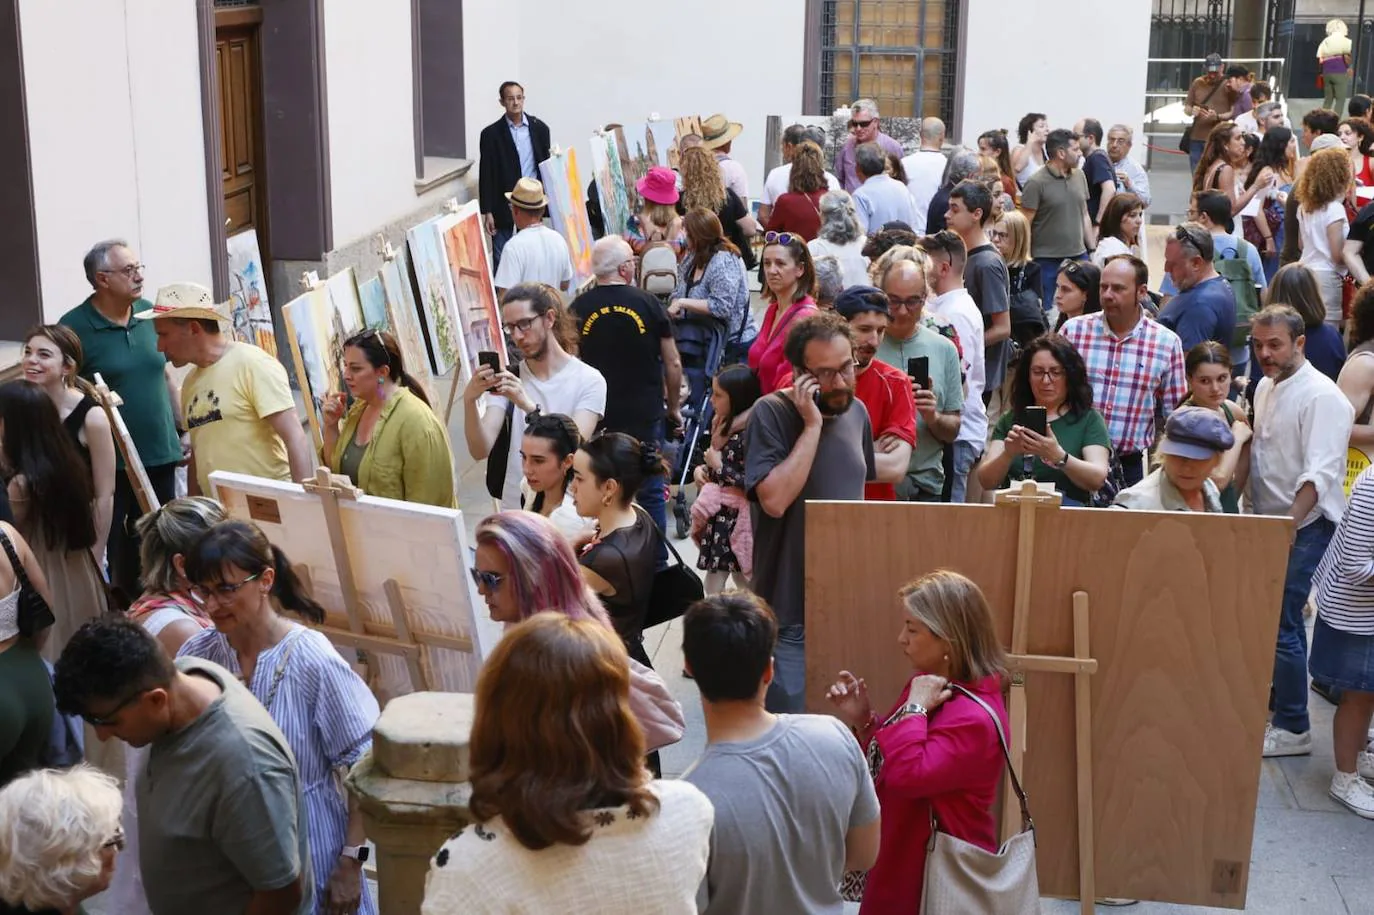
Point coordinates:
[(781, 238), (1070, 267), (489, 580), (859, 125)]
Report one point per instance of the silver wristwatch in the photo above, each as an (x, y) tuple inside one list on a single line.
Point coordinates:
[(914, 708)]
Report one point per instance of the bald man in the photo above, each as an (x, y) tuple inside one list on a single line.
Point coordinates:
[(924, 169)]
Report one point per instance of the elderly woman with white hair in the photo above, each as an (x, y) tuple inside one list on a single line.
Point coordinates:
[(829, 281), (841, 237), (59, 836)]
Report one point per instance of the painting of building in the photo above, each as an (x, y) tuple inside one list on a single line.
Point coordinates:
[(404, 319), (436, 302), (474, 295)]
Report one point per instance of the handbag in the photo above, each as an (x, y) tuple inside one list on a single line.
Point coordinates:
[(1115, 482), (34, 613), (961, 877), (675, 587)]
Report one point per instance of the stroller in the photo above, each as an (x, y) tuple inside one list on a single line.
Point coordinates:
[(701, 344)]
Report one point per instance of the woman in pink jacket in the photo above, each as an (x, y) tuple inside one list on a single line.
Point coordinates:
[(935, 751), (790, 278)]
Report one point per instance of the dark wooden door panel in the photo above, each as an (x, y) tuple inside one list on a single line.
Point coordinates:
[(238, 66)]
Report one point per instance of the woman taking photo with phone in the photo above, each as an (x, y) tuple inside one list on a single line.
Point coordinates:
[(1052, 433), (391, 444)]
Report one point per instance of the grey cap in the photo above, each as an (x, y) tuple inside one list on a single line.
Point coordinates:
[(1197, 433), (1213, 62), (1325, 141)]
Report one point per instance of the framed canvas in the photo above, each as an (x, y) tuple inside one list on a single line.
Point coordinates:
[(308, 326), (568, 210), (373, 299), (470, 280), (250, 312), (405, 321), (661, 143), (610, 183), (436, 299)]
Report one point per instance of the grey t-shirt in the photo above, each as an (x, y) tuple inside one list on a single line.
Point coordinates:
[(843, 463), (220, 812), (985, 278), (784, 804)]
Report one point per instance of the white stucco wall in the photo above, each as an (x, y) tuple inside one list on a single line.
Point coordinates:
[(115, 138), (1025, 57)]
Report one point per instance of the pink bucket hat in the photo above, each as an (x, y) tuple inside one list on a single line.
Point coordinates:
[(658, 186)]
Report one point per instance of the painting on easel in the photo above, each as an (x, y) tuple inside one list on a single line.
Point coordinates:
[(610, 183), (436, 302), (479, 321), (568, 210), (250, 313), (405, 320), (310, 349), (373, 299)]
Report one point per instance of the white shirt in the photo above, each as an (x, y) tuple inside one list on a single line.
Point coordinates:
[(1302, 427), (776, 184), (736, 179), (1109, 247), (853, 264), (924, 169), (958, 308), (1316, 247), (1140, 180), (536, 254)]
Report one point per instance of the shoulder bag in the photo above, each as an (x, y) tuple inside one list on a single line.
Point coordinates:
[(675, 588), (962, 878), (34, 613)]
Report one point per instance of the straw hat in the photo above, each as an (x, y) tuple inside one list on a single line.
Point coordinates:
[(185, 300), (528, 195), (717, 130)]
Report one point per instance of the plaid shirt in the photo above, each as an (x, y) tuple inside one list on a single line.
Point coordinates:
[(1137, 380)]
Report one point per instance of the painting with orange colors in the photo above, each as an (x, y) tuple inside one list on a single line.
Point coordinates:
[(568, 210), (474, 296)]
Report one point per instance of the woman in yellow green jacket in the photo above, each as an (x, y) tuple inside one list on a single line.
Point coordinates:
[(391, 444)]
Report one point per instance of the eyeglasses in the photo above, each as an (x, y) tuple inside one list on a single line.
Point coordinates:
[(1054, 374), (108, 719), (489, 580), (859, 125), (781, 238), (116, 841), (523, 325), (828, 376), (129, 270), (222, 591), (911, 304), (995, 234)]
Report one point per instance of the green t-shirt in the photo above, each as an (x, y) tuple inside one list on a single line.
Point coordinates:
[(126, 356), (926, 471), (1074, 434), (26, 710)]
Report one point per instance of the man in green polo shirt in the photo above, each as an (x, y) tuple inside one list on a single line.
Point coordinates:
[(124, 351), (1055, 202)]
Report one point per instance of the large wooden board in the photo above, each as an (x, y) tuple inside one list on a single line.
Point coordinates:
[(1184, 613), (423, 548)]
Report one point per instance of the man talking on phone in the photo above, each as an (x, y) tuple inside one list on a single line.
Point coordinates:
[(810, 441)]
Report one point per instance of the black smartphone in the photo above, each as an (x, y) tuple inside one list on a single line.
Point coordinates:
[(1034, 419), (491, 358), (918, 370)]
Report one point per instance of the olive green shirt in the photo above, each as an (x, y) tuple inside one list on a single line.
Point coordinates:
[(408, 457)]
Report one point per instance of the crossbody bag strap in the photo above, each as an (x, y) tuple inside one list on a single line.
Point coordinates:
[(19, 574), (281, 668), (662, 536), (1026, 821)]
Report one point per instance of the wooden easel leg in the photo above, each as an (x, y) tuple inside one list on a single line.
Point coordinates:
[(400, 617), (453, 393), (1083, 736)]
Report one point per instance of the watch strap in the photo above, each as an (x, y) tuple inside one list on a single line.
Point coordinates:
[(359, 853)]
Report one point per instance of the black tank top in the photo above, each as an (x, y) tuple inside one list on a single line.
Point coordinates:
[(76, 421)]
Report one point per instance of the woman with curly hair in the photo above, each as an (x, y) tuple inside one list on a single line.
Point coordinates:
[(703, 186), (1073, 453), (1029, 157), (1224, 153), (799, 210), (1323, 224), (841, 237)]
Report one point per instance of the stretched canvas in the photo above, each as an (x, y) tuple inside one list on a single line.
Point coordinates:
[(250, 313), (568, 210), (632, 147), (470, 280), (309, 320), (373, 299), (610, 183), (405, 320), (661, 143), (436, 301)]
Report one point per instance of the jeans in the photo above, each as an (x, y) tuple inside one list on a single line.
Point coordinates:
[(498, 242), (1195, 151), (1290, 657), (122, 549), (965, 456), (787, 692), (653, 498), (1049, 273)]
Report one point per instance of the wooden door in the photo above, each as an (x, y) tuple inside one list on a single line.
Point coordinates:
[(239, 66)]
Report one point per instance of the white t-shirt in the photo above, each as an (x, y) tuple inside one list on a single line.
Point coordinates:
[(1110, 247), (576, 386), (853, 264), (924, 169), (775, 185), (958, 308), (1316, 249), (536, 254)]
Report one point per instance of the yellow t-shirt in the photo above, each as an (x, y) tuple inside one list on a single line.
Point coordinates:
[(226, 405)]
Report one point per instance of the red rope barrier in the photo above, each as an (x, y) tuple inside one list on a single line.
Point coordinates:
[(1176, 152)]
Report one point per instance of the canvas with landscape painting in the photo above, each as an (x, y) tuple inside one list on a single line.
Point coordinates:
[(373, 299), (436, 302), (474, 295), (568, 210), (250, 313), (310, 325), (405, 321), (610, 183)]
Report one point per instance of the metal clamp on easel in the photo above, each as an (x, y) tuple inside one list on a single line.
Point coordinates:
[(1028, 499), (451, 205), (310, 280), (385, 249)]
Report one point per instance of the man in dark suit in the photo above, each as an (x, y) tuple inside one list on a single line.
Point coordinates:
[(509, 150)]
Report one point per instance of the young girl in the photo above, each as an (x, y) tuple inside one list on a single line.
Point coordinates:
[(1208, 366), (546, 457), (720, 515)]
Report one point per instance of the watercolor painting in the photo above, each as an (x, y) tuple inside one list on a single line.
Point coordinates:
[(661, 143), (373, 299), (476, 312), (250, 313), (610, 183), (568, 210), (436, 301), (310, 321), (405, 321)]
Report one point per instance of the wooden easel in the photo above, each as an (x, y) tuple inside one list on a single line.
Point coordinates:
[(133, 464), (1029, 499)]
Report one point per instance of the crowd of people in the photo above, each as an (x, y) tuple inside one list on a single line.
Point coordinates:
[(935, 326)]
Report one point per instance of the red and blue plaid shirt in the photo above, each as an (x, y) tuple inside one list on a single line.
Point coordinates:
[(1137, 379)]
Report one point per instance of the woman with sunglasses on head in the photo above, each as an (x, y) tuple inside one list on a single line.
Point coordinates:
[(325, 709), (391, 444), (546, 455), (1208, 366), (790, 278), (1076, 290)]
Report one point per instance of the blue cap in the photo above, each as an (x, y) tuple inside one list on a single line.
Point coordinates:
[(1197, 433), (856, 300)]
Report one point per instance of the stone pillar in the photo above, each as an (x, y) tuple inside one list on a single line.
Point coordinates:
[(413, 790)]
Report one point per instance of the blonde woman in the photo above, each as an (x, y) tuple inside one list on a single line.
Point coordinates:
[(1333, 64), (1323, 224), (1011, 236)]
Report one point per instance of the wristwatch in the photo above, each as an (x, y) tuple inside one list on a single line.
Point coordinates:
[(360, 853), (1062, 462), (914, 708)]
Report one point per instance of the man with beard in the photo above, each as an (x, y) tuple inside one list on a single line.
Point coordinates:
[(549, 380), (810, 441), (884, 390), (1297, 468)]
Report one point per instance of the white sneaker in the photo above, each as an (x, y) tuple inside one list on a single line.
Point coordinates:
[(1278, 742), (1365, 765), (1354, 793)]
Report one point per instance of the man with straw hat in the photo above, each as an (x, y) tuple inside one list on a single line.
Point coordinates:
[(537, 254), (236, 401), (717, 134)]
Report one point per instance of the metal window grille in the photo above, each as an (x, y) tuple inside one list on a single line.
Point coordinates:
[(1187, 29), (901, 53), (227, 4)]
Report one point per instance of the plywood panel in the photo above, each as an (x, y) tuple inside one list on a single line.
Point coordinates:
[(1184, 635)]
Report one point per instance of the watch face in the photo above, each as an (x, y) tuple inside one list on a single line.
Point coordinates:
[(364, 853)]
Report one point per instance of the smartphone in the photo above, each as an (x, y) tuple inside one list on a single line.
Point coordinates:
[(1035, 419), (918, 370), (491, 358)]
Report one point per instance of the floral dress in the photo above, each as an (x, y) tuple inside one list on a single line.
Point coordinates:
[(716, 553)]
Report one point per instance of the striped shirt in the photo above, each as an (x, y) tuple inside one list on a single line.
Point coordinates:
[(1345, 576), (1137, 379), (326, 712)]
